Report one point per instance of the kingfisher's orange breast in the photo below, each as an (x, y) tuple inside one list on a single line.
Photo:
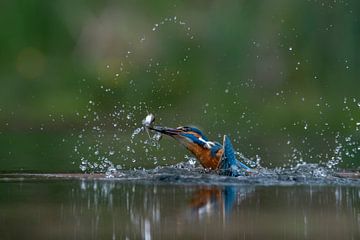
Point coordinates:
[(205, 157)]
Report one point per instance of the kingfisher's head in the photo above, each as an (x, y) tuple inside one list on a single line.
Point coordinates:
[(185, 135), (196, 142)]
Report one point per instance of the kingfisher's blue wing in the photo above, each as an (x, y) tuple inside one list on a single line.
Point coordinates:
[(229, 165)]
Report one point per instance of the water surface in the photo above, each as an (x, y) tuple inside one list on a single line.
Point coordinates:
[(165, 206)]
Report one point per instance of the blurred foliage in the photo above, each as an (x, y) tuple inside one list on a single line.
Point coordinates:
[(264, 72)]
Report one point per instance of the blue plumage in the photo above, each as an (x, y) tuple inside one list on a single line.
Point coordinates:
[(198, 132), (215, 149), (229, 165)]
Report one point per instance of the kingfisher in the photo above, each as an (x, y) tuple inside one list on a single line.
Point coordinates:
[(211, 155)]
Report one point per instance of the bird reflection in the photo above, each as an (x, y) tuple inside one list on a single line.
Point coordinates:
[(211, 200), (143, 209)]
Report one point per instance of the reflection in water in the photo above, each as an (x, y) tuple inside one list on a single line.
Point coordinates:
[(146, 209), (107, 209), (212, 200)]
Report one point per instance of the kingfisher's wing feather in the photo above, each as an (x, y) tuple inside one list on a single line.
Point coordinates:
[(229, 153), (229, 165)]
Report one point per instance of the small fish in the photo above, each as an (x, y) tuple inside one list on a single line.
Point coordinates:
[(147, 122), (149, 119)]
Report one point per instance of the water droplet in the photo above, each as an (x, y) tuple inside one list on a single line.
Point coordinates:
[(157, 136), (136, 132)]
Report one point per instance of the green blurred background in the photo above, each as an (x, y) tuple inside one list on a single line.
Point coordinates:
[(280, 77)]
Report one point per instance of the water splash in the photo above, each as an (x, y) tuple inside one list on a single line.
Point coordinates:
[(136, 132), (343, 146), (105, 140)]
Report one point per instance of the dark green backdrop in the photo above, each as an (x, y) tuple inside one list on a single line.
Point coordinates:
[(280, 77)]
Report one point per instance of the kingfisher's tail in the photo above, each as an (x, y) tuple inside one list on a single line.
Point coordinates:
[(229, 165)]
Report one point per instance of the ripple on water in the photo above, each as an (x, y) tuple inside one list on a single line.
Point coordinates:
[(184, 174)]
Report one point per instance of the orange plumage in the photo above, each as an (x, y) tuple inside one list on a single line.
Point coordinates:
[(205, 157)]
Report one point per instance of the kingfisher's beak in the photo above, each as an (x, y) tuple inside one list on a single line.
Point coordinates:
[(165, 130)]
